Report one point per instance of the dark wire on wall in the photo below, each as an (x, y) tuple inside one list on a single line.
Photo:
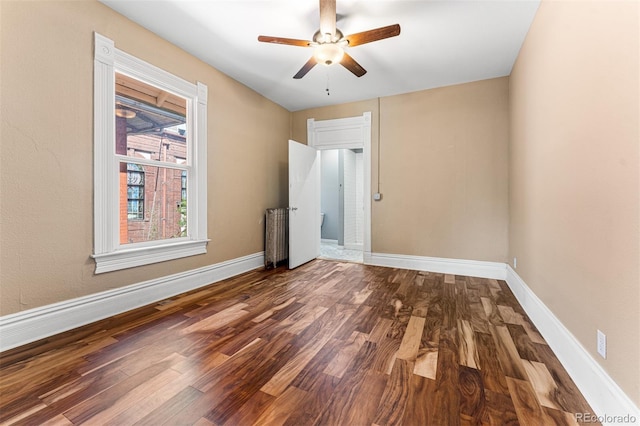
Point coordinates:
[(379, 143)]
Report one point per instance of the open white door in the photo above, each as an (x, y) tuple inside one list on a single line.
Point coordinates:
[(304, 204)]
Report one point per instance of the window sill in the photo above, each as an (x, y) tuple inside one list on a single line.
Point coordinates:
[(129, 258)]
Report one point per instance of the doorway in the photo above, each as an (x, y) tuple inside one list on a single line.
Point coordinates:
[(342, 204), (345, 146)]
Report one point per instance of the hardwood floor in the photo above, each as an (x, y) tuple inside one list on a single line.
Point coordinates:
[(326, 344)]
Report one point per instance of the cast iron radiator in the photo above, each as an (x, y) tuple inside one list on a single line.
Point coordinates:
[(276, 244)]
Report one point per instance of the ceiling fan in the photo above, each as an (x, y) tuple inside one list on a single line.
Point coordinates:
[(329, 42)]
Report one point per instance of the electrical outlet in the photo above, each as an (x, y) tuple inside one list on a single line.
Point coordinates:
[(602, 344), (515, 263)]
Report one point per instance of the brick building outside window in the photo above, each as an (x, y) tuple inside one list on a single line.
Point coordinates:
[(156, 196)]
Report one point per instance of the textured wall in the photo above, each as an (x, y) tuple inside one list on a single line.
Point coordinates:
[(46, 225), (575, 175), (443, 173), (442, 164)]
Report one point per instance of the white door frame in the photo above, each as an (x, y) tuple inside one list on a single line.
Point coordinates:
[(348, 133)]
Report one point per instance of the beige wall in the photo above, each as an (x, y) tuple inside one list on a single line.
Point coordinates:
[(46, 101), (443, 169), (575, 176)]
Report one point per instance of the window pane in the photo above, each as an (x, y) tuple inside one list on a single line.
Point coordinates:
[(150, 122), (156, 206), (184, 186)]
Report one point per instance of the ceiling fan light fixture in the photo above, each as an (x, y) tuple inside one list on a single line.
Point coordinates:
[(328, 54)]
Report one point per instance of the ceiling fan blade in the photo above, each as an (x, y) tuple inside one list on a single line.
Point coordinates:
[(373, 35), (328, 17), (283, 40), (306, 68), (349, 63)]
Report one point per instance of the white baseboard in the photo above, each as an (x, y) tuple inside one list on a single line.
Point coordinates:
[(34, 324), (599, 389), (328, 241), (474, 268), (354, 246)]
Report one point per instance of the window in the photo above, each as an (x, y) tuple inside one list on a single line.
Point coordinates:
[(150, 146)]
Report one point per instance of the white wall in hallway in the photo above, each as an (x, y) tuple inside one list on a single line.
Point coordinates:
[(353, 201), (359, 199), (329, 194)]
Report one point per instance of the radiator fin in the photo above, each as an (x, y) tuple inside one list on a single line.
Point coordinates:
[(276, 237)]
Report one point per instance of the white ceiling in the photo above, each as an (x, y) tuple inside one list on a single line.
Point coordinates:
[(441, 43)]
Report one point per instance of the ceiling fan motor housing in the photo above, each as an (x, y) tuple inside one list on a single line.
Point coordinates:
[(320, 38)]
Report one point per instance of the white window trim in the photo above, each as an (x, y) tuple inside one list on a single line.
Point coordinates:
[(109, 255)]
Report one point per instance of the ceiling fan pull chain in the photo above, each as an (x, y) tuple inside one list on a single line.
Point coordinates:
[(327, 89)]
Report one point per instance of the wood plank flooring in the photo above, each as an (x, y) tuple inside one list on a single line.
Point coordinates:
[(326, 344)]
